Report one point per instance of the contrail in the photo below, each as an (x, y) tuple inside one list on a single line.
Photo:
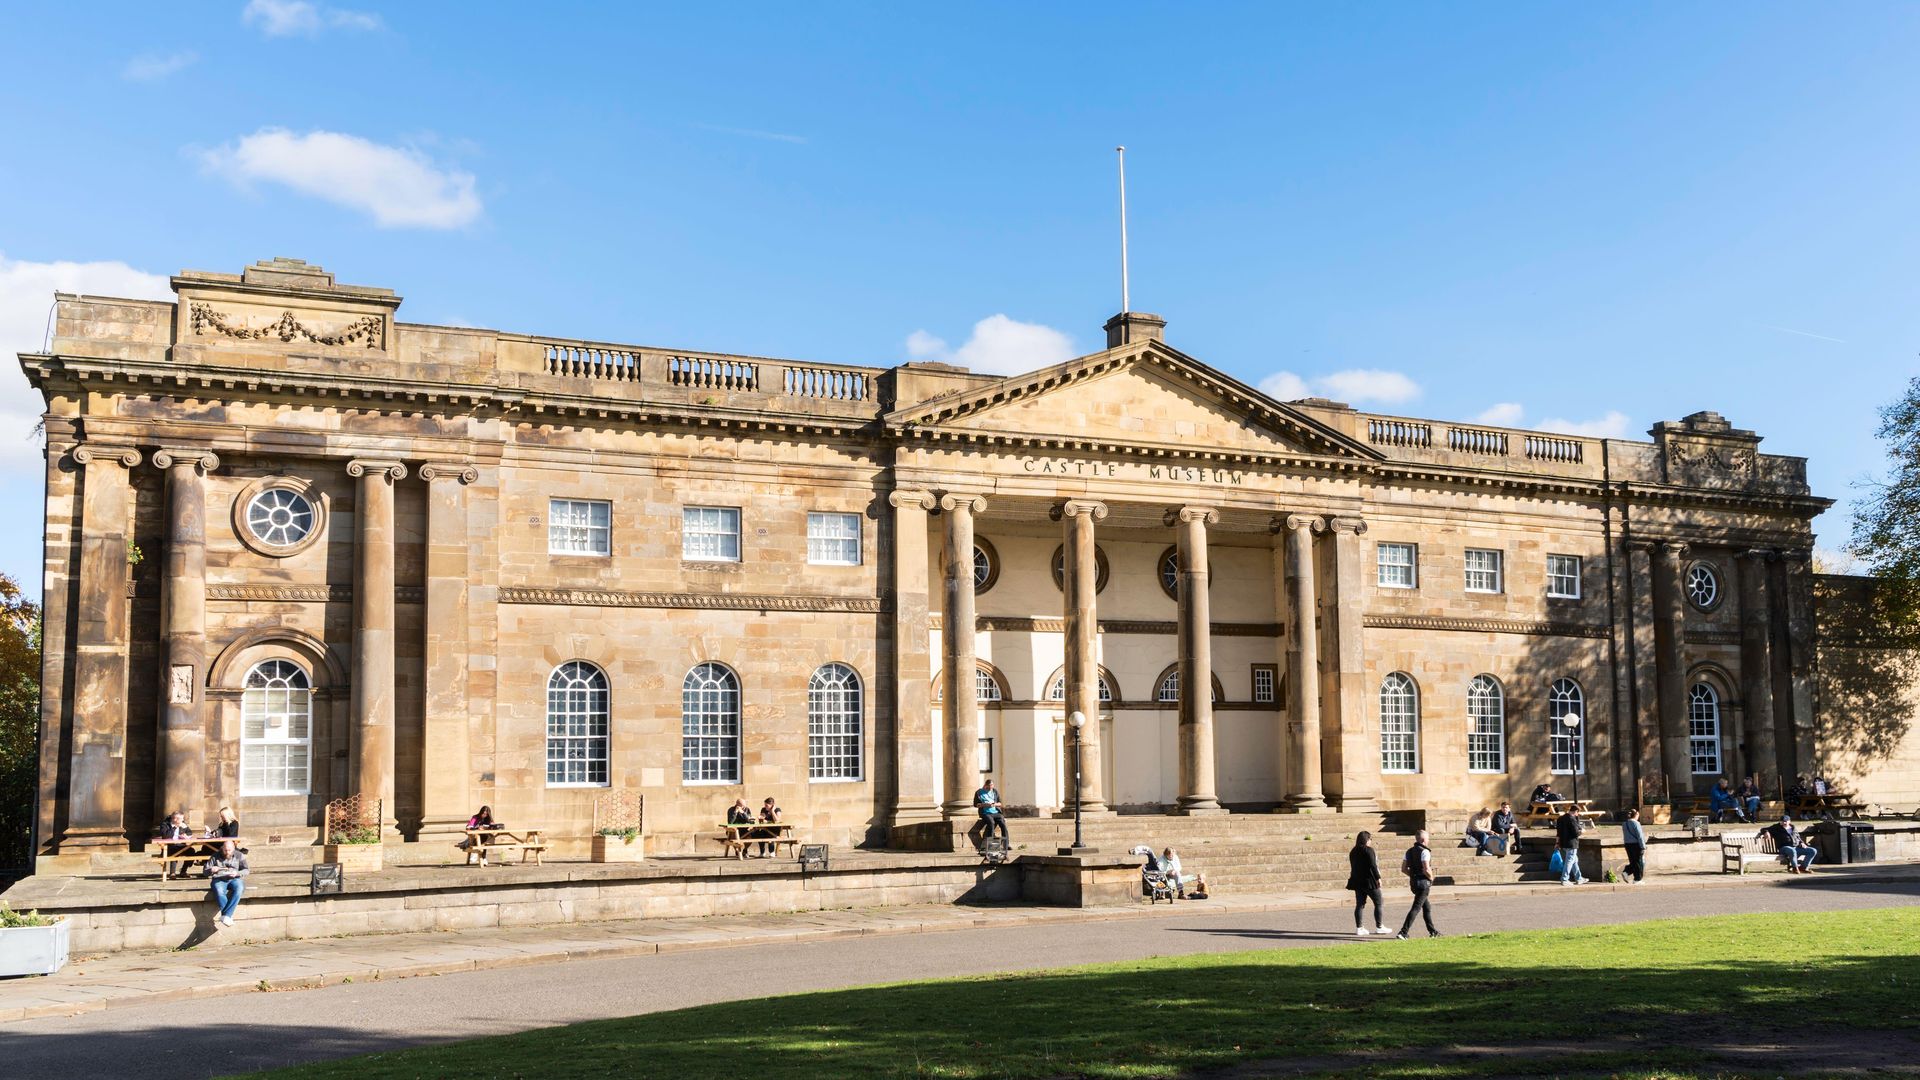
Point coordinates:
[(1803, 333)]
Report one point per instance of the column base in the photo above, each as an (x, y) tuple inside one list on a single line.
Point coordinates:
[(94, 839), (915, 814), (1359, 804), (1302, 804), (1198, 811), (1087, 813)]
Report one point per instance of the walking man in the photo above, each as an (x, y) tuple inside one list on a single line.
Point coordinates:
[(1567, 830), (1418, 866), (1634, 838)]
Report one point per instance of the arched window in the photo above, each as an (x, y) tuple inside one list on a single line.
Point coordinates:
[(710, 725), (1567, 742), (985, 686), (276, 730), (1169, 690), (1058, 691), (833, 724), (578, 712), (1703, 729), (1486, 726), (1399, 724)]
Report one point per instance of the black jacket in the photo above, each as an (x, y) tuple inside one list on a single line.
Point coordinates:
[(1568, 828), (1364, 873), (1502, 822)]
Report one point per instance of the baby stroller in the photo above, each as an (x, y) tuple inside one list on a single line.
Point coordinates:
[(1155, 883)]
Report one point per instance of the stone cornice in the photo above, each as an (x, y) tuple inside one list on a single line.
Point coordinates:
[(305, 594), (1041, 624), (1530, 627), (717, 601)]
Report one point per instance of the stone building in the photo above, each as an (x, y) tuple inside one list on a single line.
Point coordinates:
[(297, 549)]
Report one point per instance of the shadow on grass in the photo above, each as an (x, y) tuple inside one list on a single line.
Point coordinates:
[(1647, 984)]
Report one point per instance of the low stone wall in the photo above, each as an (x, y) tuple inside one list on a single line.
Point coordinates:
[(1667, 853)]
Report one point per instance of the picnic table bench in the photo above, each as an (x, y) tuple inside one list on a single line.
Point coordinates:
[(177, 857), (484, 844), (736, 839), (1546, 812), (1831, 805), (1737, 849)]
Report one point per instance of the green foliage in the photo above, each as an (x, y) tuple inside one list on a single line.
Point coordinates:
[(629, 835), (11, 919), (1674, 988), (355, 834), (19, 722), (1886, 524)]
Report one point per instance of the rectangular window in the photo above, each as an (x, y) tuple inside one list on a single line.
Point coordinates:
[(1266, 684), (983, 755), (1483, 570), (1397, 565), (1563, 577), (1568, 751), (710, 533), (833, 539), (579, 527)]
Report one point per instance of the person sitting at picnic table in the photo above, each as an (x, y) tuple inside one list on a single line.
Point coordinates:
[(175, 827), (229, 873), (1749, 796), (1800, 789), (1545, 793), (1820, 785), (477, 831), (769, 815), (988, 802), (1170, 862), (228, 826), (1506, 826), (1720, 802), (1786, 840), (1481, 837)]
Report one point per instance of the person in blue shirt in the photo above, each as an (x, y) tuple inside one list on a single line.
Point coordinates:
[(1721, 801), (988, 802)]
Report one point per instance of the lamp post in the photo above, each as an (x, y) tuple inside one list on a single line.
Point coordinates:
[(1077, 720), (1572, 720)]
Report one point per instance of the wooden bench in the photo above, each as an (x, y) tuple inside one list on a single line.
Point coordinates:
[(485, 844), (1545, 813), (178, 857), (736, 839), (1737, 849)]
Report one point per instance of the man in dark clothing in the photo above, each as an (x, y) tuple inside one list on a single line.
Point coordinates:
[(1567, 829), (1418, 866), (1545, 793), (1786, 840), (1505, 827)]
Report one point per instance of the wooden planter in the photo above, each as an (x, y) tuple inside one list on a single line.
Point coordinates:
[(612, 849), (355, 858), (33, 950), (1656, 814)]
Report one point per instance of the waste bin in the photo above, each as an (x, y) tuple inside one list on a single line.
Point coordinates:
[(1828, 839), (1859, 841)]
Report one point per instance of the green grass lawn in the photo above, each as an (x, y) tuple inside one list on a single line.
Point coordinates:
[(1621, 1000)]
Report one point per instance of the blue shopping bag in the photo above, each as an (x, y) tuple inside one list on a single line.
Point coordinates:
[(1556, 864)]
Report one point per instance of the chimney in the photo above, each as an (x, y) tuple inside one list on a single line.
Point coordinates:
[(1131, 326)]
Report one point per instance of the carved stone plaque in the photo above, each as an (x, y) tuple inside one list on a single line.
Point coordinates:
[(180, 685)]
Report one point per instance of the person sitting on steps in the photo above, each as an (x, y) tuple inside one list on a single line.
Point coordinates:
[(987, 800), (1481, 837), (1506, 827)]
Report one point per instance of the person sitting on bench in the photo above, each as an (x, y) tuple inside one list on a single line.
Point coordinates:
[(769, 815), (1749, 796), (1545, 793), (1786, 840), (482, 820), (1720, 802), (229, 826), (1800, 789)]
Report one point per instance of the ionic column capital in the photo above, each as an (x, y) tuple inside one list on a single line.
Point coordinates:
[(911, 498), (462, 471), (1296, 522), (1354, 525), (1676, 549), (392, 470), (954, 501), (1759, 555), (1643, 546), (89, 453), (1072, 508), (1205, 515), (202, 461)]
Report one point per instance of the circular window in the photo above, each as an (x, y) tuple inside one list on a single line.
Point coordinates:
[(1170, 572), (1060, 568), (986, 565), (279, 516), (1703, 586)]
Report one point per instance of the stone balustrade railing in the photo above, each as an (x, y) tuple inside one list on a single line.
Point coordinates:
[(1473, 443), (600, 363)]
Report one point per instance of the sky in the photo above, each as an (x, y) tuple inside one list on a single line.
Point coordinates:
[(1580, 218)]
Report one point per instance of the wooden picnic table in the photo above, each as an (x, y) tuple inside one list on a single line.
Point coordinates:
[(485, 841), (1546, 811), (735, 839), (178, 856), (1832, 804)]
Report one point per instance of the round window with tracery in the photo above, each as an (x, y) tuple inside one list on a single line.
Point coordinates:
[(279, 517), (1703, 586)]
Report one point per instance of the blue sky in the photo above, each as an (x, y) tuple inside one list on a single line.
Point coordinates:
[(1589, 218)]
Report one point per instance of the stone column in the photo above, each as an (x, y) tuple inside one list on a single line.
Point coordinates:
[(97, 776), (915, 780), (1359, 745), (1669, 643), (1642, 669), (1079, 581), (1198, 785), (1759, 750), (182, 741), (445, 764), (1799, 749), (961, 710), (1303, 668), (373, 645)]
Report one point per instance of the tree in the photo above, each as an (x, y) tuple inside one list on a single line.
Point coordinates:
[(1886, 525), (19, 721)]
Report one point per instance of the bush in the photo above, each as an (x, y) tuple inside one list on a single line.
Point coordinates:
[(356, 834), (628, 835), (11, 919)]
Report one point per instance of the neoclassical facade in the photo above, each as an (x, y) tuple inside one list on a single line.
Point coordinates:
[(297, 549)]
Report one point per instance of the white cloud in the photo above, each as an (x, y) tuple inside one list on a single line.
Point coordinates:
[(999, 346), (299, 18), (1357, 386), (26, 299), (400, 187), (1611, 426), (1505, 414), (151, 67)]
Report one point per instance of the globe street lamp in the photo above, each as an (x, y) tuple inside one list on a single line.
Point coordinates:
[(1078, 721), (1572, 720)]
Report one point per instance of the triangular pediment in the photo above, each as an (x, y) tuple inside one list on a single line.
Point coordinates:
[(1149, 396)]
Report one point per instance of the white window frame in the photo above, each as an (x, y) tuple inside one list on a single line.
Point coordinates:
[(821, 545), (710, 725), (1269, 693), (1557, 572), (836, 725), (1486, 725), (1701, 573), (1386, 570), (279, 511), (985, 687), (1399, 728), (1058, 691), (277, 689), (1497, 570), (722, 523), (1704, 729), (579, 716), (1563, 697), (564, 524)]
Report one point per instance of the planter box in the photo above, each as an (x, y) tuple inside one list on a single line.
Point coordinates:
[(612, 849), (355, 858), (33, 950), (1656, 814)]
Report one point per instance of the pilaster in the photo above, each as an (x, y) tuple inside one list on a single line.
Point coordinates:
[(445, 763), (1358, 768), (1669, 639), (97, 720), (958, 706), (1304, 790), (182, 749), (916, 783), (373, 633)]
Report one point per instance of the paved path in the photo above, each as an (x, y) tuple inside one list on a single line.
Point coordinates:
[(516, 990)]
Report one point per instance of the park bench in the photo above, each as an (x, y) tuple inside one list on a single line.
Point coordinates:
[(736, 839), (1545, 813), (1737, 849), (1833, 804), (488, 844)]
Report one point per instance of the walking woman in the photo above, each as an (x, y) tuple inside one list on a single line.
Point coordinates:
[(1364, 881)]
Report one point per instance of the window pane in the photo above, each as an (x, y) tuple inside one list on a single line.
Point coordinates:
[(1482, 570), (1703, 729), (833, 724), (1399, 725), (579, 527), (1396, 565), (710, 724), (1563, 576), (1568, 741), (1487, 726), (833, 539), (579, 704)]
